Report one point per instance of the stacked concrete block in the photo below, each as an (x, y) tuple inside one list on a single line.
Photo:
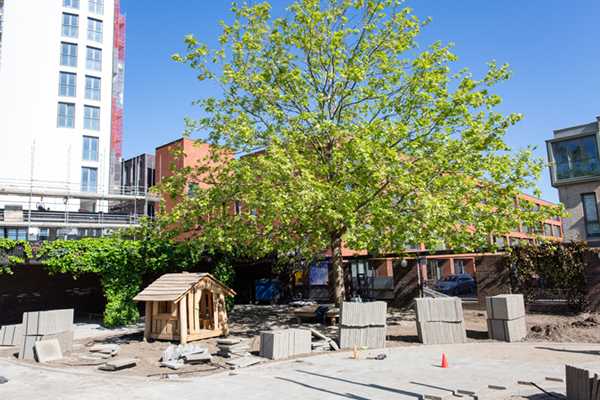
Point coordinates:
[(583, 381), (363, 324), (46, 325), (285, 343), (506, 317), (10, 335), (440, 320)]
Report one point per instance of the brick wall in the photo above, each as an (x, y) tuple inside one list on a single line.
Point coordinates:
[(406, 283), (492, 278), (31, 288)]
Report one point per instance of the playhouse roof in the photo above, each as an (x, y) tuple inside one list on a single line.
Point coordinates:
[(171, 287)]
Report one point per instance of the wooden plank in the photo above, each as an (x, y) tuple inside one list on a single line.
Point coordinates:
[(215, 311), (223, 315), (205, 334), (148, 322), (189, 315), (183, 321)]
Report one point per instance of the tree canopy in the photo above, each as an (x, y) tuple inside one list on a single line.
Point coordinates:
[(365, 140)]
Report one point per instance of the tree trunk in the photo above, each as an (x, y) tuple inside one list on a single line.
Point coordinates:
[(339, 290)]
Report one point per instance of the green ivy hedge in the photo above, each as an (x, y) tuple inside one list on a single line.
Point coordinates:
[(120, 263)]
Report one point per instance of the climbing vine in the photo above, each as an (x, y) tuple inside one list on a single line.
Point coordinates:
[(8, 246), (120, 263), (550, 265)]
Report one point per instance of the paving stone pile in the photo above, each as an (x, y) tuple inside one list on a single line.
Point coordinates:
[(440, 320), (46, 325), (362, 324), (285, 343), (506, 317)]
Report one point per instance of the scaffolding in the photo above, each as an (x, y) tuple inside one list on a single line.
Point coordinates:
[(118, 84)]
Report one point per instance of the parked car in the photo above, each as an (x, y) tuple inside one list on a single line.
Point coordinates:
[(455, 284)]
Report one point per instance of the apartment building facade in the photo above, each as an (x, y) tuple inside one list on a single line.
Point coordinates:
[(61, 110), (575, 172)]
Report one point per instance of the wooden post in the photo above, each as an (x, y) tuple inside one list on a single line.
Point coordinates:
[(215, 311), (183, 320), (223, 314), (148, 323), (190, 307)]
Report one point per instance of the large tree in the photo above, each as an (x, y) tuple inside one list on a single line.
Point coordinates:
[(364, 140)]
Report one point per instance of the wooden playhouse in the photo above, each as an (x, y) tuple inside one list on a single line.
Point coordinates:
[(192, 303)]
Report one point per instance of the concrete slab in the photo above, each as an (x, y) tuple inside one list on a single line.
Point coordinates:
[(47, 350)]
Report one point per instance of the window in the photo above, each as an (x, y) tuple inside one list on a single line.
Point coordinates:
[(88, 179), (525, 229), (91, 118), (68, 54), (434, 270), (499, 241), (66, 115), (66, 85), (17, 233), (92, 88), (71, 3), (514, 241), (557, 231), (90, 148), (590, 210), (93, 59), (547, 230), (460, 266), (238, 207), (96, 6), (70, 25), (94, 32), (575, 158)]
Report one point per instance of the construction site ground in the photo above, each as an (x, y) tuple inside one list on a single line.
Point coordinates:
[(552, 342)]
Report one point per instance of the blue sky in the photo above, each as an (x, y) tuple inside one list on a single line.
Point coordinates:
[(551, 46)]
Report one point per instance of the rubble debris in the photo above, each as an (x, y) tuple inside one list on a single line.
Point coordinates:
[(321, 342), (177, 357), (116, 365), (102, 351)]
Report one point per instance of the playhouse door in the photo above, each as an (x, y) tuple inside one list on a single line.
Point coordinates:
[(206, 310)]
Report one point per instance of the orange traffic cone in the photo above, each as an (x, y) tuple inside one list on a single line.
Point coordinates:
[(444, 362)]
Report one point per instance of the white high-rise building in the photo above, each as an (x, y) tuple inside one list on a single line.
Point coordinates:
[(61, 106)]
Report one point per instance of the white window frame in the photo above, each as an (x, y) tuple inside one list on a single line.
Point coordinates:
[(67, 58), (92, 88), (94, 30), (70, 29), (68, 88), (93, 59), (90, 148), (96, 6), (88, 185), (66, 116), (71, 4), (91, 118)]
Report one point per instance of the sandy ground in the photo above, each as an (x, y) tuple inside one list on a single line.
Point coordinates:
[(565, 338)]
